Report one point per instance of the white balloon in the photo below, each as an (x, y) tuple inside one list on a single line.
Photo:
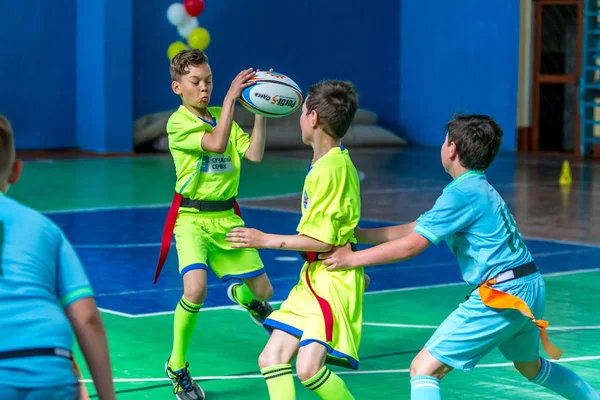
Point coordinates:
[(176, 14), (187, 28)]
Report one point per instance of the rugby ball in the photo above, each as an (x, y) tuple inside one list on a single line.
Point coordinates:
[(272, 95)]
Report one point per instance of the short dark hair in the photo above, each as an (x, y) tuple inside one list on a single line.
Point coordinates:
[(477, 139), (7, 146), (180, 64), (336, 103)]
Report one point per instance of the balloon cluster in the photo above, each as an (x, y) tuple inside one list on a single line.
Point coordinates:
[(184, 17)]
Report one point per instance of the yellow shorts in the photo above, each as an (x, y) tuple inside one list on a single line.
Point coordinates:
[(301, 315), (200, 242)]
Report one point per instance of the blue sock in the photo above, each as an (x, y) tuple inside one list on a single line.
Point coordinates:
[(425, 388), (565, 382)]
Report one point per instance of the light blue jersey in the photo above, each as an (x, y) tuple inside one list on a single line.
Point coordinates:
[(480, 231), (40, 276), (478, 227)]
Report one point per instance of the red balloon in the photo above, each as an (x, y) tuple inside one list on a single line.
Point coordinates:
[(194, 7)]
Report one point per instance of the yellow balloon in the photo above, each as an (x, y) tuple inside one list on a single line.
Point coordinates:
[(199, 39), (175, 48)]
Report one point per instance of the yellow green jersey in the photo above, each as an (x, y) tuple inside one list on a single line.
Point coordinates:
[(326, 306), (331, 199), (203, 175)]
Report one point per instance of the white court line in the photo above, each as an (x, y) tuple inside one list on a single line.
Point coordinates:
[(113, 208), (241, 200), (133, 316), (368, 293), (379, 371), (558, 241), (387, 222), (231, 307), (101, 159), (161, 205), (176, 289), (117, 246), (577, 271), (425, 189), (563, 273), (407, 326), (551, 328), (157, 244), (119, 313)]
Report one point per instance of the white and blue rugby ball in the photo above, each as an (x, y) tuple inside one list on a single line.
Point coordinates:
[(273, 95)]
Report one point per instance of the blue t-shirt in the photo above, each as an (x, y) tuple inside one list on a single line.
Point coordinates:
[(478, 227), (40, 276)]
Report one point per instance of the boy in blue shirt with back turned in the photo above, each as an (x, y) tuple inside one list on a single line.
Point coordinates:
[(481, 232), (45, 297)]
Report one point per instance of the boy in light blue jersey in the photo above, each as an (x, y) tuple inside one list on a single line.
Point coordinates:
[(45, 296), (481, 232)]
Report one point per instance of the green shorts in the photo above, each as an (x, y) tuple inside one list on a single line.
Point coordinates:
[(200, 241)]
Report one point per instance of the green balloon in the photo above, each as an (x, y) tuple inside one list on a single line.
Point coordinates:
[(175, 48), (199, 39)]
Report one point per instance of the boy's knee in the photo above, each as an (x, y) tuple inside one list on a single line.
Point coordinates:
[(280, 349), (269, 358), (306, 369), (414, 369), (310, 360), (261, 287), (528, 369), (264, 294), (195, 292), (424, 364), (264, 360)]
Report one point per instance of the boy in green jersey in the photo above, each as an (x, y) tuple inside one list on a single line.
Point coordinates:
[(321, 320), (207, 147)]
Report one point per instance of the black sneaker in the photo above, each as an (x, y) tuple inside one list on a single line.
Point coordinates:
[(259, 310), (184, 387)]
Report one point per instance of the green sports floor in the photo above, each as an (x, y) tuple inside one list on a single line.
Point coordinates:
[(113, 210)]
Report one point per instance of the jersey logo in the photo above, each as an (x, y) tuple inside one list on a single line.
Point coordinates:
[(305, 200), (217, 164)]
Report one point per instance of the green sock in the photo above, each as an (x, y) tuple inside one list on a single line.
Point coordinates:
[(280, 382), (328, 386), (186, 315), (243, 294)]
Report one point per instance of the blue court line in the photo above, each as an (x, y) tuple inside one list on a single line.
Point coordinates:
[(127, 268), (398, 267), (375, 223), (366, 223)]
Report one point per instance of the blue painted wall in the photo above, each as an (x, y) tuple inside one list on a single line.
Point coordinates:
[(414, 62), (37, 71), (308, 40), (90, 74), (458, 56), (104, 75)]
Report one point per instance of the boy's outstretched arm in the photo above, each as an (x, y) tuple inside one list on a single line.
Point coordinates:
[(257, 140), (253, 238), (382, 235), (397, 250), (217, 141), (91, 336)]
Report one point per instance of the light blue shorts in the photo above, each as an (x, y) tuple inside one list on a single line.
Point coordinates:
[(473, 330), (65, 392)]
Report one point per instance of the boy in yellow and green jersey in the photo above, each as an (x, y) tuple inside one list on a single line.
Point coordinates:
[(207, 147), (321, 320)]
